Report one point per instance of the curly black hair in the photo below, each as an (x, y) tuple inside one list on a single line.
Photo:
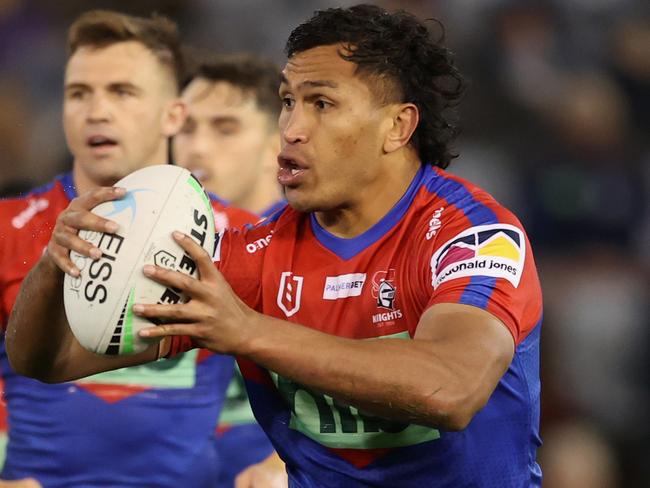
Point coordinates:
[(398, 50)]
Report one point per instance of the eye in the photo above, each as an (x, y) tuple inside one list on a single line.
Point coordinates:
[(123, 92), (227, 127), (288, 102), (322, 104), (75, 94)]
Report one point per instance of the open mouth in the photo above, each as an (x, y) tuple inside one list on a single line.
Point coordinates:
[(290, 172), (97, 142)]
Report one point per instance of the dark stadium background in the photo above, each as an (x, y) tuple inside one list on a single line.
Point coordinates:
[(556, 127)]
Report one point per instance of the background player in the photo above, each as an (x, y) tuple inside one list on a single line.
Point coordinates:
[(388, 328), (230, 140), (150, 425)]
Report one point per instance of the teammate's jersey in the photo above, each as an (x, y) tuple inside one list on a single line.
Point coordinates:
[(151, 425), (444, 241), (240, 441)]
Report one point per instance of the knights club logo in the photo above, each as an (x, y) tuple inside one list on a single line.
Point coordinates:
[(289, 293), (383, 289)]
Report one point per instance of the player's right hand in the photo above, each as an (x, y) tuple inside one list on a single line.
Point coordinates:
[(77, 216)]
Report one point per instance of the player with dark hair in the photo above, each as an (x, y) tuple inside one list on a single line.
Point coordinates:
[(387, 322), (230, 142), (230, 139), (150, 425)]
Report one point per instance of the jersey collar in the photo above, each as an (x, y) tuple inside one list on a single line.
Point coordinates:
[(67, 183), (348, 248)]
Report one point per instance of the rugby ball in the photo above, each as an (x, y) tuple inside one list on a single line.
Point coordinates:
[(98, 303)]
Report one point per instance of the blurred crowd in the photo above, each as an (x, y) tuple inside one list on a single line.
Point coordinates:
[(556, 125)]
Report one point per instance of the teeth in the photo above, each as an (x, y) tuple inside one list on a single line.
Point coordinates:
[(294, 171)]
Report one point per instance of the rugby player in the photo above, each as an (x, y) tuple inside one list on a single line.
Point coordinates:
[(387, 321), (150, 425)]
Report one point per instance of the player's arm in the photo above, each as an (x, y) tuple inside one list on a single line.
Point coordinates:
[(441, 378), (38, 339)]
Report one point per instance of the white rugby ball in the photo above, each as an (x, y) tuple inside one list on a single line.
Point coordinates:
[(98, 304)]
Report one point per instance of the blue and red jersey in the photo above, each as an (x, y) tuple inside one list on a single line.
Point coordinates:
[(151, 425), (445, 241)]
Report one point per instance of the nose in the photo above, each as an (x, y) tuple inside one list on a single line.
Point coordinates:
[(198, 143), (294, 126), (98, 109)]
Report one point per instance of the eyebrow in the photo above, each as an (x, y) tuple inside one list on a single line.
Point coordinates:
[(76, 86), (311, 83), (112, 86), (220, 119)]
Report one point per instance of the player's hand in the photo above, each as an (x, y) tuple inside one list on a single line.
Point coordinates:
[(214, 317), (270, 473), (23, 483), (75, 217)]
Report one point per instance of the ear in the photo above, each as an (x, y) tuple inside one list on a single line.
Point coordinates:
[(174, 117), (404, 122)]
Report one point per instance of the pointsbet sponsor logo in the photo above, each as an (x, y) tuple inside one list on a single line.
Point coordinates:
[(495, 250), (344, 286)]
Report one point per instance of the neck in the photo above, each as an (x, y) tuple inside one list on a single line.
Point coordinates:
[(372, 203)]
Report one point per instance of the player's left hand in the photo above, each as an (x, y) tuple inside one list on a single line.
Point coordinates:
[(270, 473), (214, 316)]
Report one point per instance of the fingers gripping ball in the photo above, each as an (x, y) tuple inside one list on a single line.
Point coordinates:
[(98, 303)]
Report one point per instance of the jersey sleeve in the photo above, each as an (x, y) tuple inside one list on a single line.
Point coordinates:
[(481, 257)]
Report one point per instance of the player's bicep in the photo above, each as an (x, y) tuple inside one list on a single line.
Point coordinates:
[(473, 343)]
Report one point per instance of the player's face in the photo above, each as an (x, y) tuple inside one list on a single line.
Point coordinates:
[(332, 131), (227, 141), (119, 107)]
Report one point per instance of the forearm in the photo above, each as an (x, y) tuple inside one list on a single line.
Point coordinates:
[(401, 380), (39, 341), (38, 331)]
